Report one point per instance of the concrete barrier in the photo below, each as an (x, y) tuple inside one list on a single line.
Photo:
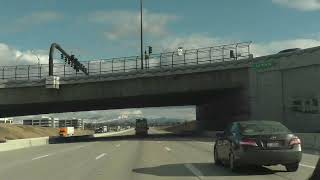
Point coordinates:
[(23, 143), (112, 133)]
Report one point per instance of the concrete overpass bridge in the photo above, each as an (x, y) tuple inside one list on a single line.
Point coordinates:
[(225, 84)]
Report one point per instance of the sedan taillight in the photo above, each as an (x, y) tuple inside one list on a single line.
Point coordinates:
[(294, 141), (248, 142)]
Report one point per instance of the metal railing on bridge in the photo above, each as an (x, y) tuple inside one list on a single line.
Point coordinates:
[(231, 52)]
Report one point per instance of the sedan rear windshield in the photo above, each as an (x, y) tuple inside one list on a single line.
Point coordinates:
[(260, 128)]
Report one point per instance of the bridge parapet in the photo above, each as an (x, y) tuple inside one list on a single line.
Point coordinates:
[(167, 60)]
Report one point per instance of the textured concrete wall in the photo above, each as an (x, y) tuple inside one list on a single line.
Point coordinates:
[(223, 108), (294, 76)]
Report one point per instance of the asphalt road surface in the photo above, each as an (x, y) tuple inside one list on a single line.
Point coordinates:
[(132, 158)]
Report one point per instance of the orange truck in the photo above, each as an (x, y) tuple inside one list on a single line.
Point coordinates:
[(66, 131)]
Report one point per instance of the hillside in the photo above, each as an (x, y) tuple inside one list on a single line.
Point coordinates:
[(181, 128), (10, 132)]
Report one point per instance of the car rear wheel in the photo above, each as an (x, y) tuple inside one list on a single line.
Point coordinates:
[(292, 167), (217, 161)]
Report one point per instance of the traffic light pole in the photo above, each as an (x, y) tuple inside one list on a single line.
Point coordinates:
[(51, 52)]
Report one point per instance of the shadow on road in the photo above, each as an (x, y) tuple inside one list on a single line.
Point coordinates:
[(151, 137), (207, 169)]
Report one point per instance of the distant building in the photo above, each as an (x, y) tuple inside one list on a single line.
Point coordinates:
[(6, 120), (55, 122), (74, 122)]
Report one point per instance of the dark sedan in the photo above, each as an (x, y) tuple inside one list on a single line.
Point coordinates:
[(257, 143)]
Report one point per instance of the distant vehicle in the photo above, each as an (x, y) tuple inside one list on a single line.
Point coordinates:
[(66, 131), (102, 129), (105, 129), (289, 50), (257, 143), (141, 127)]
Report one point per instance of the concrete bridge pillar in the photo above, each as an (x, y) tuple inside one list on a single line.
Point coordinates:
[(225, 107)]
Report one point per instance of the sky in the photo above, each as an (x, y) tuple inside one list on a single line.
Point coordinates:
[(98, 29)]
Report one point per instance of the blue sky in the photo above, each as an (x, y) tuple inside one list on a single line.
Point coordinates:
[(106, 28)]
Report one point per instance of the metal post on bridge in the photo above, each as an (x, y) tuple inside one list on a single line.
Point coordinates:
[(160, 63), (64, 70), (197, 56), (222, 53), (3, 73), (184, 57), (88, 71), (40, 70), (172, 59), (112, 65), (237, 51), (210, 54), (15, 72), (100, 66), (124, 65), (28, 72)]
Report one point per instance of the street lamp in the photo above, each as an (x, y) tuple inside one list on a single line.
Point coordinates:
[(39, 71), (141, 35), (32, 51)]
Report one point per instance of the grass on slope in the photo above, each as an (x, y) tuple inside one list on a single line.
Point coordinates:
[(181, 128)]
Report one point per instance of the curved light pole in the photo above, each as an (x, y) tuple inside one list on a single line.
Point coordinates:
[(39, 70)]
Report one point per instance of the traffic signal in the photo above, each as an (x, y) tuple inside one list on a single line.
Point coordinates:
[(61, 56), (232, 54), (150, 50)]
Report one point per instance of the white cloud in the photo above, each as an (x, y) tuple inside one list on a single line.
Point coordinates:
[(12, 56), (39, 17), (190, 42), (258, 49), (302, 5), (33, 19), (126, 23)]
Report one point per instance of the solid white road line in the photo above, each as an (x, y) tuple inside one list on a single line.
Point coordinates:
[(168, 149), (308, 166), (41, 157), (100, 156), (194, 170)]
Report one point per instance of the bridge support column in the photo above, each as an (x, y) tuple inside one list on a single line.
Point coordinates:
[(221, 110)]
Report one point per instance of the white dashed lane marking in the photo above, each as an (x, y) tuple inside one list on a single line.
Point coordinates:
[(168, 149), (100, 156), (308, 166), (40, 157), (194, 170)]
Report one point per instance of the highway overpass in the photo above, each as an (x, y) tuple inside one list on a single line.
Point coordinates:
[(282, 87)]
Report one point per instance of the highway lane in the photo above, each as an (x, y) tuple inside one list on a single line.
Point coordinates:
[(137, 159)]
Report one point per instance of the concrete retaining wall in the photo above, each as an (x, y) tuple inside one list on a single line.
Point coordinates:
[(23, 143)]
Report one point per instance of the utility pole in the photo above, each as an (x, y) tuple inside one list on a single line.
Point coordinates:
[(141, 34)]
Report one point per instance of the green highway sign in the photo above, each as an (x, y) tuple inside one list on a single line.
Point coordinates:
[(263, 65)]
